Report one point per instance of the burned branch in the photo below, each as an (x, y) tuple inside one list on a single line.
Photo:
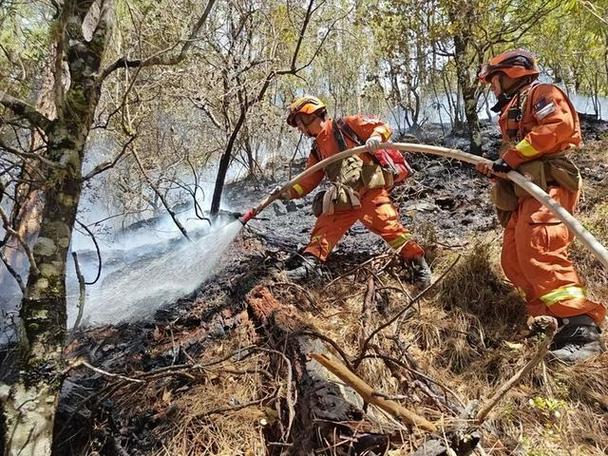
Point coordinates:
[(161, 197)]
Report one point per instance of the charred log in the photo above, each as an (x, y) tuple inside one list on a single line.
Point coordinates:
[(326, 415)]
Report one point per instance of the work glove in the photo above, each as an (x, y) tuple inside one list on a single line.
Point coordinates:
[(373, 143), (501, 166)]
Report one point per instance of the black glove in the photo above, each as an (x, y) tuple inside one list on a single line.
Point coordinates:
[(501, 166)]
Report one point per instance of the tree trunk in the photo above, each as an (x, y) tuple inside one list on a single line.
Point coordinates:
[(469, 95), (27, 209), (220, 179), (29, 404)]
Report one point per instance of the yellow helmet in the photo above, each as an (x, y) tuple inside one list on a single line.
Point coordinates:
[(304, 105)]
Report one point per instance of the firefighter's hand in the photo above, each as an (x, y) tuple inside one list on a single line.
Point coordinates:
[(490, 169), (485, 169), (501, 166), (373, 143), (284, 195)]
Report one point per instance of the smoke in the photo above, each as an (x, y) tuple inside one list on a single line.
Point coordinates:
[(146, 265), (142, 280)]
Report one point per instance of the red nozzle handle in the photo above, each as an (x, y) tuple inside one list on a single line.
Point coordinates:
[(247, 216)]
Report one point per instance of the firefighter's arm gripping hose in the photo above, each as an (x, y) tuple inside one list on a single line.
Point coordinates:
[(534, 190)]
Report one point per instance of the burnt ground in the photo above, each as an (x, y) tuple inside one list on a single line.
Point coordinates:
[(445, 204)]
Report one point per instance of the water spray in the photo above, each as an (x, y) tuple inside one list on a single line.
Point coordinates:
[(534, 190)]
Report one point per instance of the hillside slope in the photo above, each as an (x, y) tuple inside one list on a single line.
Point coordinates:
[(212, 376)]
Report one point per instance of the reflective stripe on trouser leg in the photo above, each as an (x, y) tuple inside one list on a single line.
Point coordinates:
[(399, 241), (380, 216), (541, 244), (563, 293)]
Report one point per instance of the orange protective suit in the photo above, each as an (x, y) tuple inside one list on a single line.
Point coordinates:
[(376, 210), (535, 246)]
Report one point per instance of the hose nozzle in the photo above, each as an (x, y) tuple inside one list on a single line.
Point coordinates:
[(247, 216)]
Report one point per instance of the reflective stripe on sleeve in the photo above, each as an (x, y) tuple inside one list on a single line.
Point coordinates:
[(526, 149), (383, 131), (563, 293), (298, 188)]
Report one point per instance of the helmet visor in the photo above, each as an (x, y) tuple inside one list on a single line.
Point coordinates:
[(486, 70)]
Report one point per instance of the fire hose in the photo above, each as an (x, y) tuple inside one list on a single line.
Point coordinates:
[(575, 227)]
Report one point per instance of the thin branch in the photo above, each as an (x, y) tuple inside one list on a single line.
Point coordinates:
[(82, 291), (307, 17), (161, 197), (401, 312), (13, 272), (550, 326), (29, 155), (21, 108), (345, 357), (593, 10), (9, 229), (233, 408), (157, 59), (107, 165), (203, 107), (99, 262), (82, 362)]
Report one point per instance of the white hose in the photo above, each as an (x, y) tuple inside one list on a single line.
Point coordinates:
[(534, 190)]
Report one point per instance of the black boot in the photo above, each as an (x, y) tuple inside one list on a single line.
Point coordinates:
[(577, 339), (308, 266), (421, 272)]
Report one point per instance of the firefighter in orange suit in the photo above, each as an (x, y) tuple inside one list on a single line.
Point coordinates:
[(540, 128), (358, 190)]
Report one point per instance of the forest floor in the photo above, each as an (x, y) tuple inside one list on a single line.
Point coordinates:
[(211, 375)]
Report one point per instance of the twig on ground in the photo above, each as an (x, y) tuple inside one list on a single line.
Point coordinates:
[(345, 357), (366, 311), (366, 392), (401, 312), (301, 289), (289, 395), (237, 407), (82, 362), (356, 268), (416, 372)]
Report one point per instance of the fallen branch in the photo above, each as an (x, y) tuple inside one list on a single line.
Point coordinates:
[(367, 393), (301, 289), (356, 268), (324, 411), (82, 362)]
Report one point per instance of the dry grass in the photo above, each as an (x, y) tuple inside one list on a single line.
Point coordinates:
[(194, 431), (458, 336)]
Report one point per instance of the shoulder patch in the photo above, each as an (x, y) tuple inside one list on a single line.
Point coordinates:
[(543, 107)]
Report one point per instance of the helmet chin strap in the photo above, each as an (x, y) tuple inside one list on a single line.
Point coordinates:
[(507, 95)]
